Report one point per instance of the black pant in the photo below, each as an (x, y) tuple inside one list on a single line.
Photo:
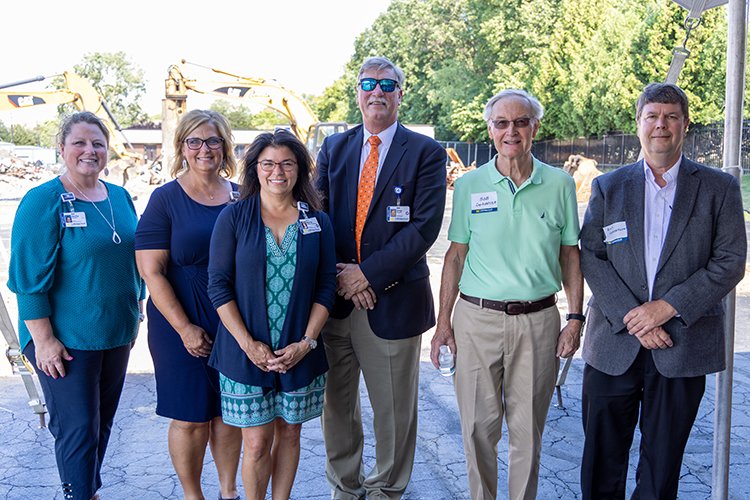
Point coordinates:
[(81, 409), (668, 407)]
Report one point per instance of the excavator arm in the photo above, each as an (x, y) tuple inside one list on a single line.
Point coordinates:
[(79, 92), (269, 93)]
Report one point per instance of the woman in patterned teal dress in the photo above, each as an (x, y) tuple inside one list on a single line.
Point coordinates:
[(272, 279)]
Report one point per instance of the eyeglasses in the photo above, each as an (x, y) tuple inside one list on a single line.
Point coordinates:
[(195, 143), (517, 123), (269, 166), (386, 84)]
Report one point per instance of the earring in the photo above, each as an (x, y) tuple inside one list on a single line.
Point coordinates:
[(184, 164)]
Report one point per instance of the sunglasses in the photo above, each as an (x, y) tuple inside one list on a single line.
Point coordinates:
[(517, 123), (386, 84)]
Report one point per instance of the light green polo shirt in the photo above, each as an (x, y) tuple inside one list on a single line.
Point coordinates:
[(514, 242)]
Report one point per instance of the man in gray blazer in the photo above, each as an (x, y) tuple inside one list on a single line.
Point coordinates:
[(663, 241)]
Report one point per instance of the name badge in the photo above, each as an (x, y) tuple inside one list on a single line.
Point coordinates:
[(397, 213), (483, 202), (73, 219), (615, 233), (309, 225)]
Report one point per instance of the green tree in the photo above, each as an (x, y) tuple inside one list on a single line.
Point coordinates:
[(119, 82), (18, 134), (586, 60), (335, 102), (241, 118)]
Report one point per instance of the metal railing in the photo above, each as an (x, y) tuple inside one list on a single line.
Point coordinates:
[(703, 144)]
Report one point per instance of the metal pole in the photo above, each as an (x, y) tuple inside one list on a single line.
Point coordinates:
[(735, 85)]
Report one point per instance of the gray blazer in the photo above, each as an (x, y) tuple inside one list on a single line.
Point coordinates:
[(702, 260)]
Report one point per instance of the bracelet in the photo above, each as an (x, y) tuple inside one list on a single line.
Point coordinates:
[(579, 317)]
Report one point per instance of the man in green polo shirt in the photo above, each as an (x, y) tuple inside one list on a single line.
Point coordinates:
[(514, 245)]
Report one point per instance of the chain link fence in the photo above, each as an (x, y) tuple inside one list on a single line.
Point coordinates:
[(703, 144)]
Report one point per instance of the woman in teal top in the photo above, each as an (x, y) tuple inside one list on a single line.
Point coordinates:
[(272, 279), (73, 271)]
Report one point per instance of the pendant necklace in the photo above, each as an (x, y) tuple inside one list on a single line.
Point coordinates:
[(115, 237)]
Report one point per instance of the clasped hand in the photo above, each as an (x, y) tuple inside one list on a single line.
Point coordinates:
[(352, 284), (645, 322), (279, 361)]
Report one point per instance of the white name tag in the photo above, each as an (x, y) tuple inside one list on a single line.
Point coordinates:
[(73, 219), (483, 202), (309, 225), (397, 213), (615, 233)]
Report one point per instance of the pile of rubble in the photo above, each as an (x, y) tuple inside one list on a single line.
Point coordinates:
[(18, 176)]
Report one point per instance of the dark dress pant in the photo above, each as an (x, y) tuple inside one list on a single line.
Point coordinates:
[(611, 406), (81, 408)]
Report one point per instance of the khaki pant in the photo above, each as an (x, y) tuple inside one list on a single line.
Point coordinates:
[(505, 365), (391, 373)]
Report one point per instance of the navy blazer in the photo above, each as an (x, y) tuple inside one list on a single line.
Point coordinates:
[(393, 253), (703, 258), (237, 271)]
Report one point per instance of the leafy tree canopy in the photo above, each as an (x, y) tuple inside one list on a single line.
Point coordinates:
[(586, 60)]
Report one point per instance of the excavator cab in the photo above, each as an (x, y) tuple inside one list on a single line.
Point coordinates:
[(319, 132)]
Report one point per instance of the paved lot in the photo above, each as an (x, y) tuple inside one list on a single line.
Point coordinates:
[(138, 466)]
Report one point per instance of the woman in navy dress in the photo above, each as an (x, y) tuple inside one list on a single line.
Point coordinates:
[(272, 278), (172, 243)]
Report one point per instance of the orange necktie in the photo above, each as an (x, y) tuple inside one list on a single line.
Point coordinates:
[(366, 188)]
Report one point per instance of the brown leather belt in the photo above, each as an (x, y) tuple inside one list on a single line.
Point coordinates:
[(512, 308)]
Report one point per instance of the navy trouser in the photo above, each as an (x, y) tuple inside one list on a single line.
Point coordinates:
[(611, 407), (81, 408)]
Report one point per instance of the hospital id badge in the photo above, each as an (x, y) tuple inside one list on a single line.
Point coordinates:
[(397, 213), (73, 219), (309, 225)]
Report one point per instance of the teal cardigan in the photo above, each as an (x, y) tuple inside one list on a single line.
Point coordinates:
[(78, 277)]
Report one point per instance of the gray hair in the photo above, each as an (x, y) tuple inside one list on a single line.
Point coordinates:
[(379, 64), (536, 108)]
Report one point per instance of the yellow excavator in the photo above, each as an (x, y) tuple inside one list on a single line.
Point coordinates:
[(79, 92), (269, 93)]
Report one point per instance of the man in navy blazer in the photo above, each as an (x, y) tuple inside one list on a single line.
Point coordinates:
[(384, 299), (663, 241)]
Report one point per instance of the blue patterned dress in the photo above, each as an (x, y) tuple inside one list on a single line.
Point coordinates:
[(245, 405)]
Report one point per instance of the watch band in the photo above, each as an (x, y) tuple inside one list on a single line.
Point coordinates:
[(577, 316), (311, 342)]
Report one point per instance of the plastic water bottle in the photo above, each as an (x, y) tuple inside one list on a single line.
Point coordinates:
[(447, 361)]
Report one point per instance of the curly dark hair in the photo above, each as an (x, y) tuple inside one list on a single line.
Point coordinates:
[(303, 190)]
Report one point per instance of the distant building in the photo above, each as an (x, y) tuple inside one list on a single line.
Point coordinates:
[(147, 141)]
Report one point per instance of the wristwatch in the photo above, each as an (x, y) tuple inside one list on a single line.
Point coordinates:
[(311, 342), (579, 317)]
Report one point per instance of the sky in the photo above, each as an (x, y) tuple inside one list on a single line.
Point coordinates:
[(303, 45)]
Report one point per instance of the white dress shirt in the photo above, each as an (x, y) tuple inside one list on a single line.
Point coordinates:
[(386, 139), (657, 212)]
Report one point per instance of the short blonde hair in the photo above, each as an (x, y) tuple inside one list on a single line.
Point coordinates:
[(191, 121)]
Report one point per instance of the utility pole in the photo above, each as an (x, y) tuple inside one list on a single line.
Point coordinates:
[(735, 86)]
